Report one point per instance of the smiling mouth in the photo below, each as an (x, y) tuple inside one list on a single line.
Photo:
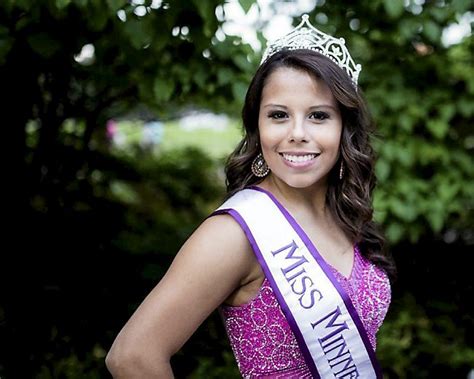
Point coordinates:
[(298, 158)]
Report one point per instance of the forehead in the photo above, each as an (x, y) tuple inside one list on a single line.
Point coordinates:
[(298, 84)]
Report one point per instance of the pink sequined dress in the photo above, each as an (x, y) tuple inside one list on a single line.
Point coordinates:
[(261, 338)]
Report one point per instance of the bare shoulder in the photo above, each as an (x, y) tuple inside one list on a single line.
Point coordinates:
[(221, 228), (219, 241)]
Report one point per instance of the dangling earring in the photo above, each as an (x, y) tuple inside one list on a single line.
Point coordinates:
[(341, 170), (259, 166)]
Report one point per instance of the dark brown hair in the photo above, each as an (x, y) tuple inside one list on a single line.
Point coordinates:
[(349, 199)]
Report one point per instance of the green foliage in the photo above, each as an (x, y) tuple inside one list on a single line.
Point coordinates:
[(413, 344), (425, 167), (171, 195), (103, 249), (208, 368), (394, 8), (246, 4), (418, 90), (102, 228)]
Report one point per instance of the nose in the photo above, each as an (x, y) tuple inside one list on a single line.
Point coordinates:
[(297, 132)]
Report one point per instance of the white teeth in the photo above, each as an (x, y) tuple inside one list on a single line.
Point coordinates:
[(298, 158)]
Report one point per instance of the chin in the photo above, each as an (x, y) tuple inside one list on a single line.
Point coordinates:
[(300, 182)]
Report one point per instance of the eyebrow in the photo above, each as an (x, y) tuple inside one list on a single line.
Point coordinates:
[(311, 108)]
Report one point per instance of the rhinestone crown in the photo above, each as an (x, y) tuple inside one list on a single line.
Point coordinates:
[(306, 36)]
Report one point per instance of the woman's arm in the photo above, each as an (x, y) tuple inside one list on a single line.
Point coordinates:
[(214, 261)]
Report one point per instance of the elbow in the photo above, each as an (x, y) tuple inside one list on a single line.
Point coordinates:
[(126, 362), (115, 364), (111, 363), (122, 363)]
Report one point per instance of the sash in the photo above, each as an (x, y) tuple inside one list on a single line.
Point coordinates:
[(329, 332)]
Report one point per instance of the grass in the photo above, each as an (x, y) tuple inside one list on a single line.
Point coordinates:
[(217, 143)]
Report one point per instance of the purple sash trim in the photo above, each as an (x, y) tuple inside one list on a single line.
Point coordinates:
[(347, 301), (276, 290)]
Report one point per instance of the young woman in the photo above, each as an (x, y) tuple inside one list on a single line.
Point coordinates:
[(292, 258)]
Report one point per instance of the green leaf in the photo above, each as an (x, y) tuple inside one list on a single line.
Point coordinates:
[(429, 152), (200, 77), (406, 122), (447, 112), (246, 4), (394, 232), (241, 61), (44, 44), (394, 8), (436, 219), (19, 4), (115, 5), (432, 30), (438, 128), (462, 5), (407, 28), (98, 19), (396, 100), (261, 38), (163, 89), (81, 3), (239, 90), (206, 10), (61, 4), (406, 154), (403, 210), (440, 14), (138, 33), (382, 169), (447, 191), (465, 107), (224, 76)]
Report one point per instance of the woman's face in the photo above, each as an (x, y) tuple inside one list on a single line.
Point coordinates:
[(300, 128)]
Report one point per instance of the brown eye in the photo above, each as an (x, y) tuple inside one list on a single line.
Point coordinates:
[(277, 115), (319, 115)]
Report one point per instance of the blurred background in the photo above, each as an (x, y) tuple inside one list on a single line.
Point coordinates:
[(118, 116)]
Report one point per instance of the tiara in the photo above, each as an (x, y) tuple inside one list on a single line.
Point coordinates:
[(306, 36)]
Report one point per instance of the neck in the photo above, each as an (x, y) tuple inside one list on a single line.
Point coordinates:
[(311, 198)]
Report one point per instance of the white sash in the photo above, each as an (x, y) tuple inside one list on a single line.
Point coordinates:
[(329, 332)]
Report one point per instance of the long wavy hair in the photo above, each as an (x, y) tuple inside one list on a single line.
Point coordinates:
[(349, 199)]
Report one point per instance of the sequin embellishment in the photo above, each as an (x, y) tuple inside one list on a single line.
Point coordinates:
[(264, 344)]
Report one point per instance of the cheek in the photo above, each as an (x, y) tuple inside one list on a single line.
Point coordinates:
[(266, 144), (269, 136), (331, 138)]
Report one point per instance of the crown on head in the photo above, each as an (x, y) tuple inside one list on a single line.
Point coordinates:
[(306, 36)]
